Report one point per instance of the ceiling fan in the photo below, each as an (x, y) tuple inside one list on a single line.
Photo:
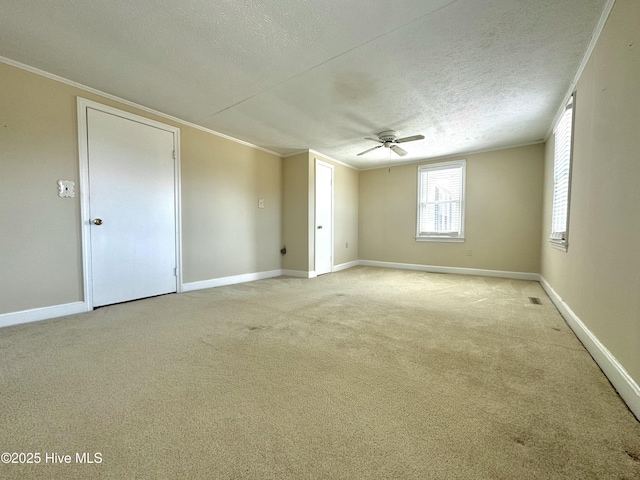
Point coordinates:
[(388, 139)]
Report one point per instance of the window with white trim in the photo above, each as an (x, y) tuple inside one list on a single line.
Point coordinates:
[(562, 177), (441, 202)]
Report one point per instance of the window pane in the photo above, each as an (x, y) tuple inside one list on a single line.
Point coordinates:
[(561, 174), (440, 207)]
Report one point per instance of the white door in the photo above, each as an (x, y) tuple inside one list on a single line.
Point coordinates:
[(324, 218), (132, 206)]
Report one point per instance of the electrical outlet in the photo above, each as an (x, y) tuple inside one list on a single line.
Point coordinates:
[(469, 253)]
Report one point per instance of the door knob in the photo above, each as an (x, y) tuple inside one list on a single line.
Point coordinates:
[(98, 221), (319, 227)]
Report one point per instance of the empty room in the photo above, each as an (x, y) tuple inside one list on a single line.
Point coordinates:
[(285, 240)]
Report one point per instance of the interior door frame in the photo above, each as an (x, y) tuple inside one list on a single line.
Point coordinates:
[(83, 147), (315, 213)]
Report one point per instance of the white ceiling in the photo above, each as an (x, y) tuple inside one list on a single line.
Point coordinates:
[(291, 75)]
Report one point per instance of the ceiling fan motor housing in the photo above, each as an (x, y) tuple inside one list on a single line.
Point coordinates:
[(387, 136)]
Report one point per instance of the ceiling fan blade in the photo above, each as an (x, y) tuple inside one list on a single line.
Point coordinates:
[(374, 139), (398, 150), (410, 139), (367, 151)]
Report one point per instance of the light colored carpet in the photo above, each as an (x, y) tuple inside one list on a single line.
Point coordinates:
[(366, 373)]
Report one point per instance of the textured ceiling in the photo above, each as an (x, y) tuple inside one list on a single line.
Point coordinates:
[(289, 75)]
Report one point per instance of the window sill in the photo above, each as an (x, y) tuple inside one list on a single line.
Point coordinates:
[(559, 244), (440, 239)]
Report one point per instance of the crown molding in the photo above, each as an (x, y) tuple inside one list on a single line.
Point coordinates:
[(320, 154), (592, 45), (326, 157), (453, 155), (129, 103)]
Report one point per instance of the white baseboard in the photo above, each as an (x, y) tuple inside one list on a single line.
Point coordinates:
[(299, 273), (344, 266), (626, 386), (455, 270), (231, 280), (44, 313)]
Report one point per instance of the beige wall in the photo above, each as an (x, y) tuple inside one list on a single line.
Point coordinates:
[(503, 211), (40, 261), (295, 214), (299, 212), (599, 275), (224, 233)]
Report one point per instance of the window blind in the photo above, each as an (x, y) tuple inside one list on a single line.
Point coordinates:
[(561, 175), (441, 200)]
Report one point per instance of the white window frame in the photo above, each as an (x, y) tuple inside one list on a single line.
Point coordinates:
[(562, 160), (435, 236)]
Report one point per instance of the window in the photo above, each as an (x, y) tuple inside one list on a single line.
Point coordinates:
[(441, 202), (562, 178)]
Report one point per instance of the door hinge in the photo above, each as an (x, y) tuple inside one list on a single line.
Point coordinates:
[(175, 272), (174, 154)]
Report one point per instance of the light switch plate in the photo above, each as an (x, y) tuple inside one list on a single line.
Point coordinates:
[(66, 188), (261, 203)]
